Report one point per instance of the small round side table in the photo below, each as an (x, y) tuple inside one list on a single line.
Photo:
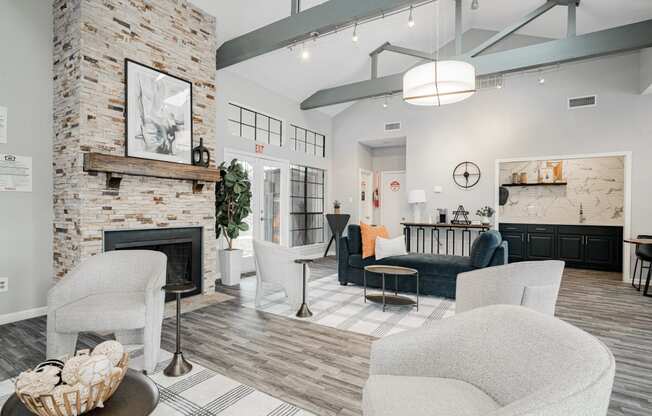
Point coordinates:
[(178, 366), (304, 310)]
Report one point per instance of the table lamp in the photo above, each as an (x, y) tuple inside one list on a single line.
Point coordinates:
[(416, 197)]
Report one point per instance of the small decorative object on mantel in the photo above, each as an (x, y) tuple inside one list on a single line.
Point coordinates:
[(461, 212), (485, 214), (523, 178), (337, 207), (466, 175), (200, 154), (516, 178), (159, 114), (74, 385)]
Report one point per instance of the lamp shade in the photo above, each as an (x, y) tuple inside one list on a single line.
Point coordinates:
[(417, 196), (438, 83)]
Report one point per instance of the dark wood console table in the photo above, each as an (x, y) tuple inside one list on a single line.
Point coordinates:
[(435, 231)]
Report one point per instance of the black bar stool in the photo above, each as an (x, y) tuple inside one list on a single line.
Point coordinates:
[(643, 255)]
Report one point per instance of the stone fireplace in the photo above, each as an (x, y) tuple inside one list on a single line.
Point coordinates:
[(92, 39)]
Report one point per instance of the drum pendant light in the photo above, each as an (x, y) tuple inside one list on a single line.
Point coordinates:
[(439, 82)]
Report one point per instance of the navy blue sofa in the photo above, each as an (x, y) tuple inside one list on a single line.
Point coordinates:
[(437, 272)]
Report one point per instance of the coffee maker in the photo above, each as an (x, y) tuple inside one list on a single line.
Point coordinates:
[(442, 218)]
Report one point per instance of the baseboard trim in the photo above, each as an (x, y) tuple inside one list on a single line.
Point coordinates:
[(22, 315)]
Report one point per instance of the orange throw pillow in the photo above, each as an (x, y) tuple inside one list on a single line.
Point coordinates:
[(369, 234)]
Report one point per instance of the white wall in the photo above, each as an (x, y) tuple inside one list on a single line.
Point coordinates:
[(524, 119), (26, 218), (388, 158)]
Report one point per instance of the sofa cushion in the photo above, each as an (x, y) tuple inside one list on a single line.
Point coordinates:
[(426, 264), (388, 247), (355, 239), (483, 248), (369, 235), (104, 312), (424, 396)]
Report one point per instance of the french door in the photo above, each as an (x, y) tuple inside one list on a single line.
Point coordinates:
[(268, 220)]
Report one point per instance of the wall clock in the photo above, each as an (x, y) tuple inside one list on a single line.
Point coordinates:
[(466, 175)]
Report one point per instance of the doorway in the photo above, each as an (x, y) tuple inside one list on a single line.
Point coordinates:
[(365, 191), (268, 220), (394, 208)]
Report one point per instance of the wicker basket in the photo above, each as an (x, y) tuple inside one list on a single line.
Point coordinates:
[(73, 403)]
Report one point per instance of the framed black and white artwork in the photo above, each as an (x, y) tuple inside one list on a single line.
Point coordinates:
[(159, 114)]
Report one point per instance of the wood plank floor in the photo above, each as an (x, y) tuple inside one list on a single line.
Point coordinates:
[(323, 369)]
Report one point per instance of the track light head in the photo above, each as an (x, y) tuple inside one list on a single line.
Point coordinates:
[(475, 5), (354, 38), (411, 18)]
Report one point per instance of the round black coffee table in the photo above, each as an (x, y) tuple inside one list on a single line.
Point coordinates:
[(136, 396)]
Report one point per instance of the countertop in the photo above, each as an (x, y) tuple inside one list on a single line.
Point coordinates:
[(535, 221)]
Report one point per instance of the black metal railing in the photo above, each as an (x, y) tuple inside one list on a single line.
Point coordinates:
[(441, 233)]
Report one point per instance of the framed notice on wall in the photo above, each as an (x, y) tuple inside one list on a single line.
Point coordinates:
[(15, 173)]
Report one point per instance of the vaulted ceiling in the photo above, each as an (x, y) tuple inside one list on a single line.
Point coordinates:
[(336, 60)]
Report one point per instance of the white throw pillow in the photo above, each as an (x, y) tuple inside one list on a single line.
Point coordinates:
[(388, 247)]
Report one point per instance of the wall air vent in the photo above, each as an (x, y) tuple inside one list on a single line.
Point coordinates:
[(393, 126), (582, 102)]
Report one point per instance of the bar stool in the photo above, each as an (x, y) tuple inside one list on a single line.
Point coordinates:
[(643, 254)]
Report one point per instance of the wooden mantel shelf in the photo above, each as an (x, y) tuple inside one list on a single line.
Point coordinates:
[(116, 166)]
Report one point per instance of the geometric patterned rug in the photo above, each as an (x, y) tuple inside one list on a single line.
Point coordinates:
[(343, 307), (201, 392)]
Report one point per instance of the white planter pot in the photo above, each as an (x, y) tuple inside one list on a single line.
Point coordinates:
[(485, 220), (230, 266)]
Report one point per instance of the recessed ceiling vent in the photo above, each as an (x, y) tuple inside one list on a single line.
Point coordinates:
[(582, 102), (393, 126)]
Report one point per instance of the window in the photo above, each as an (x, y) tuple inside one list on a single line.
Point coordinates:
[(306, 205), (307, 141), (255, 126)]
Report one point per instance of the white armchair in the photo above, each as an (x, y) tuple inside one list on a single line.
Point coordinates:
[(499, 360), (534, 284), (275, 265), (116, 291)]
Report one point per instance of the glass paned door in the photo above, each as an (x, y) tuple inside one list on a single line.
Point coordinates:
[(269, 187), (273, 197)]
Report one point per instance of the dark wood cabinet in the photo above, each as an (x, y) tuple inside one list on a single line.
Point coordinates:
[(540, 246), (580, 246)]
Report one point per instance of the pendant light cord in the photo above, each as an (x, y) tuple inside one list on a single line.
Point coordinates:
[(437, 52)]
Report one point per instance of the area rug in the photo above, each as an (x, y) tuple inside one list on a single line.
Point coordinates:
[(343, 307), (201, 392)]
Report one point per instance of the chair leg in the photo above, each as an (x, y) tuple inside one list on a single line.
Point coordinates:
[(61, 344), (634, 275), (647, 281)]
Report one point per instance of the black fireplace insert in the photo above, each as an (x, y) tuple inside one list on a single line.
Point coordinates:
[(182, 246)]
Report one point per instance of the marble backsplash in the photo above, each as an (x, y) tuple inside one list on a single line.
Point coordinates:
[(597, 184)]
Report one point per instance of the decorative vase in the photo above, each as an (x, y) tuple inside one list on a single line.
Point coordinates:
[(337, 210), (200, 155), (230, 266), (485, 220)]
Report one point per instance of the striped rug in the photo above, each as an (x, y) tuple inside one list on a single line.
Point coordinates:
[(343, 307), (201, 392)]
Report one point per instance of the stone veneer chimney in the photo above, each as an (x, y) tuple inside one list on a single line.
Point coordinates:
[(92, 38)]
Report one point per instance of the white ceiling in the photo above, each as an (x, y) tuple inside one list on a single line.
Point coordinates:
[(336, 60)]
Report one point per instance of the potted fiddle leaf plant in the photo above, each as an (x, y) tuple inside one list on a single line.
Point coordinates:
[(232, 207)]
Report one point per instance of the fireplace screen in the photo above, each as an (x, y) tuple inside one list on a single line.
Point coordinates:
[(182, 246)]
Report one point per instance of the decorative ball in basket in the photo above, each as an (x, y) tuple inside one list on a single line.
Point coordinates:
[(74, 385)]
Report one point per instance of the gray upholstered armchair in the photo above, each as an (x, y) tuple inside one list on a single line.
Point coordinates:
[(116, 291), (534, 284), (499, 360)]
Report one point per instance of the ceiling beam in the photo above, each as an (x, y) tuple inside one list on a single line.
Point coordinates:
[(323, 18), (512, 28), (606, 42)]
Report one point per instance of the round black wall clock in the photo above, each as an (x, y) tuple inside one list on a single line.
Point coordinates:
[(466, 175)]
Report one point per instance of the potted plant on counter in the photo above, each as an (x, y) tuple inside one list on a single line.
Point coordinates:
[(485, 214), (232, 207)]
